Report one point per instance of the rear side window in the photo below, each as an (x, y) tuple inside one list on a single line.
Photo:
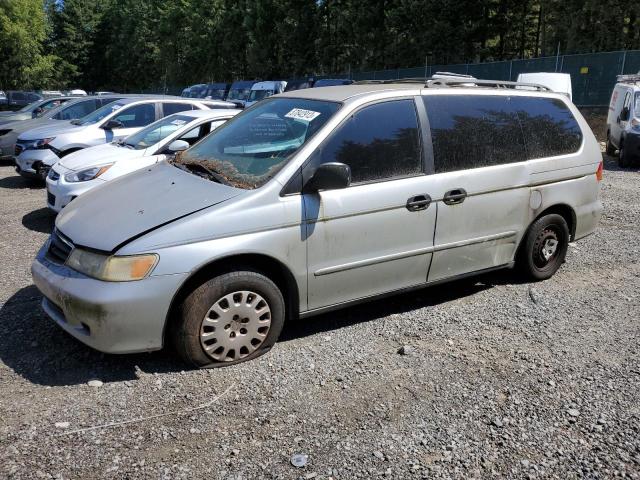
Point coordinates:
[(171, 108), (548, 126), (378, 142), (472, 131)]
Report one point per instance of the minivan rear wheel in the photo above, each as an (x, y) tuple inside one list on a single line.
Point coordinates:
[(544, 247), (229, 319)]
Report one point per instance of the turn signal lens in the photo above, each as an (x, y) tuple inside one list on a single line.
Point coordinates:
[(599, 171)]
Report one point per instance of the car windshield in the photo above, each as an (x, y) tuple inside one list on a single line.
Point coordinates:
[(252, 147), (99, 114), (238, 94), (30, 108), (259, 95), (157, 131)]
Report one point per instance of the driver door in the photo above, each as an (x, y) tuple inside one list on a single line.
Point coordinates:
[(375, 236)]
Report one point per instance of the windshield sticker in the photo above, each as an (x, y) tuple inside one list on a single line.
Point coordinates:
[(302, 114), (178, 122), (116, 107)]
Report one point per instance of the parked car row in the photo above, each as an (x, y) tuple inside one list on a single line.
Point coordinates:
[(210, 235), (246, 93)]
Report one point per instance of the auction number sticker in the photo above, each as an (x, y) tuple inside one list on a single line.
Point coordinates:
[(302, 114), (178, 122)]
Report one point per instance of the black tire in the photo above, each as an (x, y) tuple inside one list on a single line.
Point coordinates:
[(190, 321), (611, 150), (531, 259), (624, 160)]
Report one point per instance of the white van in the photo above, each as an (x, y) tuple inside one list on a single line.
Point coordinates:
[(623, 121), (557, 82), (263, 90)]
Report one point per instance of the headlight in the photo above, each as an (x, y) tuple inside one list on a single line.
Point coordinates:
[(40, 143), (88, 174), (112, 268)]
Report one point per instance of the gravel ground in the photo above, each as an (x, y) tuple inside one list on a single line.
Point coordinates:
[(496, 378)]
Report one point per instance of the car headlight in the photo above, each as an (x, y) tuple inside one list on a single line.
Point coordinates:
[(112, 268), (88, 174), (40, 143)]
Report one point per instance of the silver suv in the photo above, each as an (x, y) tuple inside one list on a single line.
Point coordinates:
[(316, 199)]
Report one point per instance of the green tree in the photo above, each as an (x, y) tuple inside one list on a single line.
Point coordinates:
[(23, 32)]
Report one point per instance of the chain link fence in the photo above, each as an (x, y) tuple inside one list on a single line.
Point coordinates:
[(593, 75)]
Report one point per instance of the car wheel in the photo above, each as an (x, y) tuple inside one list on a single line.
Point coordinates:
[(544, 247), (611, 150), (229, 319)]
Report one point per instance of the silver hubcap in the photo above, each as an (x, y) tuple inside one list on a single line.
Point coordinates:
[(549, 248), (235, 326)]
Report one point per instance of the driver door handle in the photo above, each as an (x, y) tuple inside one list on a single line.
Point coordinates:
[(455, 197)]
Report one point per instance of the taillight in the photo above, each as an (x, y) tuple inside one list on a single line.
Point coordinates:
[(599, 171)]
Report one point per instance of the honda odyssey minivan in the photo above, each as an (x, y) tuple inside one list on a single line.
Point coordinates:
[(317, 199)]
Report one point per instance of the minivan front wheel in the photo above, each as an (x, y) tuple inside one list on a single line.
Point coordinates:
[(545, 247), (229, 319)]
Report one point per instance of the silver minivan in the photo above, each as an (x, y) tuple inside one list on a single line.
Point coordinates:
[(316, 199)]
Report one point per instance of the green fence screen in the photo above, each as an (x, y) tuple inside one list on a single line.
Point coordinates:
[(593, 75)]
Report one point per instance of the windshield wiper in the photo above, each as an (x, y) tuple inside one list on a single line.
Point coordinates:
[(202, 171)]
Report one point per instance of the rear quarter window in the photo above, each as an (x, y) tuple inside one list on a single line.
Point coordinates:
[(548, 126)]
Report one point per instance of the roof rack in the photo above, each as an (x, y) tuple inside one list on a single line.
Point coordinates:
[(633, 78), (394, 80), (485, 83)]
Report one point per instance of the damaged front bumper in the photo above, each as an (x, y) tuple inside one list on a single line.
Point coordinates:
[(112, 317)]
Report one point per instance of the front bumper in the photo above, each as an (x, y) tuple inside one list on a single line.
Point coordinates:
[(28, 160), (112, 317), (60, 192)]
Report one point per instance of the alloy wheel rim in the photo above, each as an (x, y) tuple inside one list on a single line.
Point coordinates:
[(235, 326)]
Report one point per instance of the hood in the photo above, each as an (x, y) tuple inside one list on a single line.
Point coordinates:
[(20, 126), (50, 129), (109, 215), (98, 155)]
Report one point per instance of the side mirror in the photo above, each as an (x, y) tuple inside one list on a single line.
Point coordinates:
[(37, 112), (178, 146), (624, 114), (112, 125), (329, 176)]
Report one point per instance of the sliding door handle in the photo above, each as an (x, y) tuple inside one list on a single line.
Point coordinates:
[(455, 197)]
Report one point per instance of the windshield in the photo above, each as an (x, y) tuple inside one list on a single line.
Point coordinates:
[(252, 147), (157, 131), (99, 114), (257, 95), (238, 94)]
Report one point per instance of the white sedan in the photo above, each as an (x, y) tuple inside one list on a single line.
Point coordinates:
[(81, 171)]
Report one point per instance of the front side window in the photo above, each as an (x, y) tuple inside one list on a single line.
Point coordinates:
[(473, 131), (378, 142), (157, 131), (548, 126), (238, 94), (252, 147), (77, 110), (636, 108), (136, 116)]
